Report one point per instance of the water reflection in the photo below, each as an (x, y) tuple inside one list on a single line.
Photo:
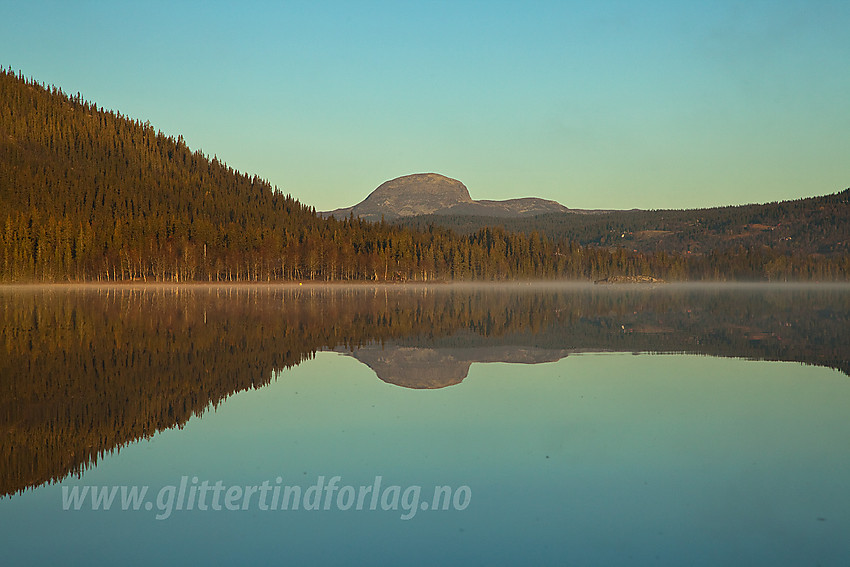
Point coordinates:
[(84, 371), (434, 366)]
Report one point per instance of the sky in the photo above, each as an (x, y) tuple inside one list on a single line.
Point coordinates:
[(605, 104)]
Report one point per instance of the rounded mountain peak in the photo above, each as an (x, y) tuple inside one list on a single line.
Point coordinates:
[(417, 194)]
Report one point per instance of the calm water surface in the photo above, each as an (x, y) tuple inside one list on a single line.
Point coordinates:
[(570, 425)]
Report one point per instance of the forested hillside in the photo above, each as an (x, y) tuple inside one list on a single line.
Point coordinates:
[(816, 225), (87, 194)]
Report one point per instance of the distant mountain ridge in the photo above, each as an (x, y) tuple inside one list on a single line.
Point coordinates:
[(435, 194), (812, 225)]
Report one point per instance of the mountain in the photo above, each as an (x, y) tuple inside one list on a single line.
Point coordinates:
[(811, 226), (434, 194)]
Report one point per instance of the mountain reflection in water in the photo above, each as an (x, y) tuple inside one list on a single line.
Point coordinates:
[(85, 371)]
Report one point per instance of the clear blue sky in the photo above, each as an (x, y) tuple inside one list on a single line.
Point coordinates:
[(650, 104)]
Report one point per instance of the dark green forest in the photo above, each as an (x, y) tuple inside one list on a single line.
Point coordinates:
[(87, 194)]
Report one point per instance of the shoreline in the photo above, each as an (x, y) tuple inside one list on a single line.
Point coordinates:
[(504, 285)]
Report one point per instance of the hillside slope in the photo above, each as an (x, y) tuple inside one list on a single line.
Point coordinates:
[(814, 225)]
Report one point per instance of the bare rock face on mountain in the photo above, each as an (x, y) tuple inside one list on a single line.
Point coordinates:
[(419, 194), (431, 193)]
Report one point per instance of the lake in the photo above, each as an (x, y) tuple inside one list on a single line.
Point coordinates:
[(451, 424)]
